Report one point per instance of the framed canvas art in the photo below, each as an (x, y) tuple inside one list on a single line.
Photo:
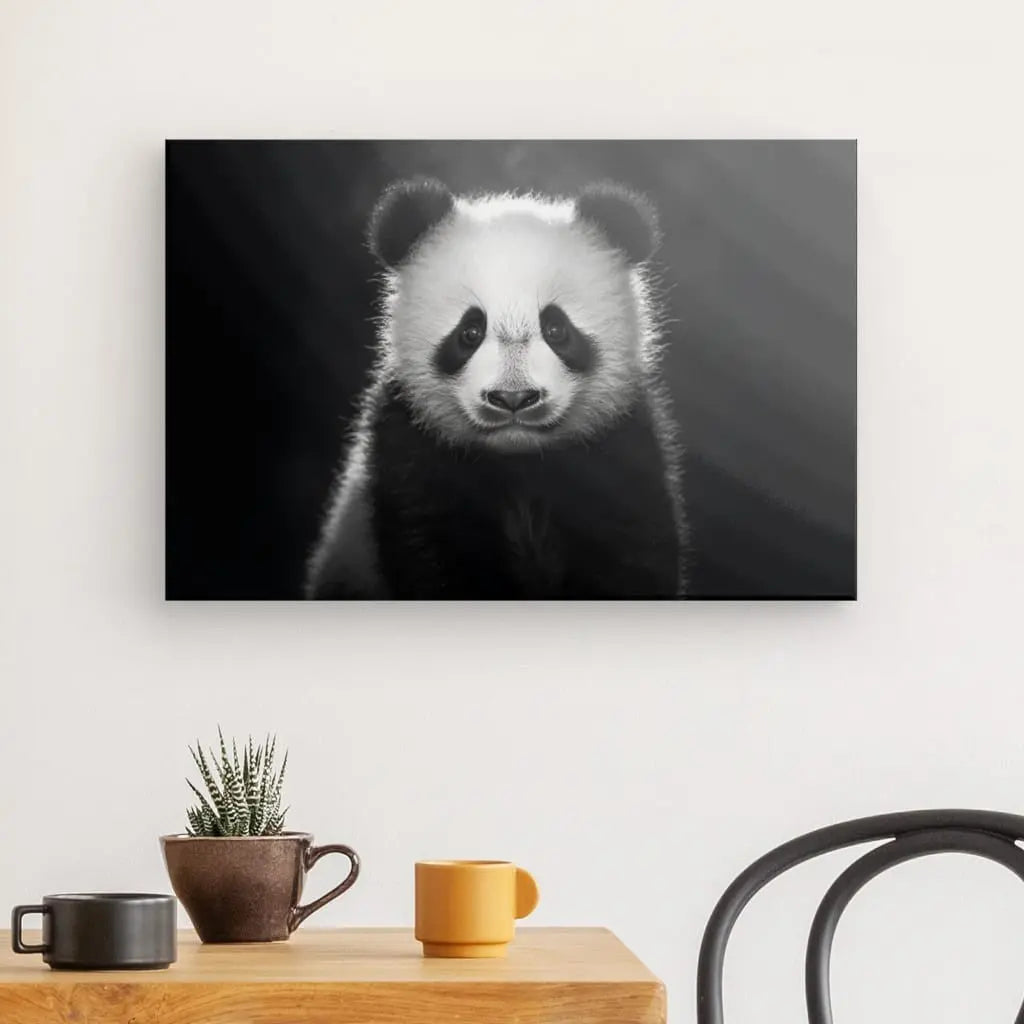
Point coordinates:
[(511, 370)]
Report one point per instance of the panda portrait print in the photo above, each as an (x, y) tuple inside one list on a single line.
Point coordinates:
[(511, 369), (515, 440)]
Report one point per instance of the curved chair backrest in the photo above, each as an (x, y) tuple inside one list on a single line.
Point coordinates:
[(988, 834)]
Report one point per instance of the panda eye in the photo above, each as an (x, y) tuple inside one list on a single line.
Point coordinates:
[(472, 328), (472, 334), (555, 333), (554, 328)]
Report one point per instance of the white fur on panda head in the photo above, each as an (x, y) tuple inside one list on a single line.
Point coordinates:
[(515, 321)]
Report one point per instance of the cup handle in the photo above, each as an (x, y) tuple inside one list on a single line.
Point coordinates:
[(527, 894), (17, 916), (312, 855)]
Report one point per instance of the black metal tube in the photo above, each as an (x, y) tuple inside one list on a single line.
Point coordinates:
[(796, 851), (857, 875)]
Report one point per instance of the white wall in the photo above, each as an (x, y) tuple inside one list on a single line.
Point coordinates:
[(635, 757)]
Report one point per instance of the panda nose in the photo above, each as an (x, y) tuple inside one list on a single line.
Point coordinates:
[(513, 401)]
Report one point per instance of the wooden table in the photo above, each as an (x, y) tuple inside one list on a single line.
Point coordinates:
[(352, 976)]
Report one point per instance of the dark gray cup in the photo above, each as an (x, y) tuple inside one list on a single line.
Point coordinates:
[(102, 931)]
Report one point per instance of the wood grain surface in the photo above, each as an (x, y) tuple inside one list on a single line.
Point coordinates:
[(351, 976)]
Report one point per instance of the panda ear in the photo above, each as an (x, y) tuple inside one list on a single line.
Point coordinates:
[(628, 220), (405, 212)]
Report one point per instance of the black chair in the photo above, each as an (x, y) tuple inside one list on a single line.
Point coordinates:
[(913, 834)]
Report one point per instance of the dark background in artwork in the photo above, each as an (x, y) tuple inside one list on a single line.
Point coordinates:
[(270, 299)]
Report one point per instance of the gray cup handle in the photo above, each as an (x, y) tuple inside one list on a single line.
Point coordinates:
[(17, 916)]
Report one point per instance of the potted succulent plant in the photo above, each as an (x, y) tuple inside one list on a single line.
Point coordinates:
[(237, 872)]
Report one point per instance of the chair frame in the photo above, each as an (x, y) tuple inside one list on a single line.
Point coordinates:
[(911, 834)]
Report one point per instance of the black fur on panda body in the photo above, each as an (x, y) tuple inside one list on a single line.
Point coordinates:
[(593, 519)]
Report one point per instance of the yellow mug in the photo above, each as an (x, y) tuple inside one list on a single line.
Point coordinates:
[(469, 908)]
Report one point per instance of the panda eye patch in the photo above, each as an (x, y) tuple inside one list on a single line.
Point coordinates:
[(458, 346), (474, 327), (554, 326), (576, 351)]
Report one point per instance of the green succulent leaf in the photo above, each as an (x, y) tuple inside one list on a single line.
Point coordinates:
[(243, 790), (210, 822), (204, 804)]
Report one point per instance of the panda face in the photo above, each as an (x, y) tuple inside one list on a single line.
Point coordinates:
[(514, 323)]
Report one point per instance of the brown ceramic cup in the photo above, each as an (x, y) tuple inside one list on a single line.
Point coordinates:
[(247, 888)]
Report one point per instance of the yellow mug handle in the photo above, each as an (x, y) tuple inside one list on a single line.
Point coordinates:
[(527, 894)]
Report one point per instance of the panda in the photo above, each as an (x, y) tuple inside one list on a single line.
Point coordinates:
[(516, 440)]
